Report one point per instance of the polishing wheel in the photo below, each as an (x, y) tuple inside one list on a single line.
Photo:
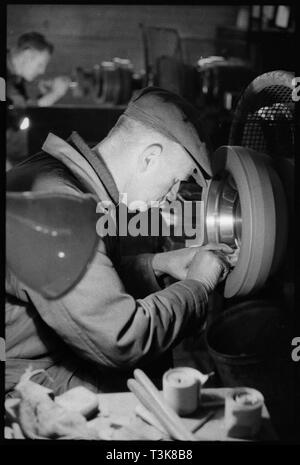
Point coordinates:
[(245, 207)]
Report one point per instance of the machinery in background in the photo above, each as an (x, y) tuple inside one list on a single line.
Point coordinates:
[(188, 66), (211, 80), (220, 81), (111, 82), (205, 81), (108, 83)]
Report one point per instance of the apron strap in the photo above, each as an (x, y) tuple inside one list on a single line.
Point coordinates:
[(98, 165)]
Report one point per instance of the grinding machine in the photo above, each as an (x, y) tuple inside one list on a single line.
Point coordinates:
[(248, 203)]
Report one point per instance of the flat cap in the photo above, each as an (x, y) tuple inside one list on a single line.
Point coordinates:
[(177, 119)]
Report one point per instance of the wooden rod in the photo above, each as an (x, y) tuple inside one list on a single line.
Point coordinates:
[(143, 379), (151, 404)]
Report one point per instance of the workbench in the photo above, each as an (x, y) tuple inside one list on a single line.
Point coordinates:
[(118, 410)]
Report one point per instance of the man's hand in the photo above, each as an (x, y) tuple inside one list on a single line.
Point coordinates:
[(177, 263), (210, 265), (58, 88), (60, 85)]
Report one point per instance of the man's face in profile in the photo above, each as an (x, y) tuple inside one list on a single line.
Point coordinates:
[(159, 179)]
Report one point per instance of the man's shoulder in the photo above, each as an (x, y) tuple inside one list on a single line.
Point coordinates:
[(45, 172)]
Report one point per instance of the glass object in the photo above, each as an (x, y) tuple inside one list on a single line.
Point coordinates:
[(50, 239)]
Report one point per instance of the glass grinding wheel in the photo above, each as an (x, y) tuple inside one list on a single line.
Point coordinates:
[(245, 207)]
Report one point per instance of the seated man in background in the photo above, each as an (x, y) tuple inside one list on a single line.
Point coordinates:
[(117, 317), (25, 62)]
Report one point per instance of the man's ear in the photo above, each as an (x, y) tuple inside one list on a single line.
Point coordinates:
[(150, 156)]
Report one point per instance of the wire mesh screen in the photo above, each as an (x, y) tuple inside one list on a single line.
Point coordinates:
[(264, 117)]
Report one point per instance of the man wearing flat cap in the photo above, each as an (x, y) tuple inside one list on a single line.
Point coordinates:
[(117, 317)]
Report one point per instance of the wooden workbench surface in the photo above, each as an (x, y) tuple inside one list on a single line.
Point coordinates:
[(119, 408)]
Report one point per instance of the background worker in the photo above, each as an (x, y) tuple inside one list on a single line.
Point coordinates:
[(25, 62)]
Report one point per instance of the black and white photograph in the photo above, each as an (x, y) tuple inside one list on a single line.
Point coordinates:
[(149, 202)]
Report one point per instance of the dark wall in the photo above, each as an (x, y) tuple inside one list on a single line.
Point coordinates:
[(84, 35)]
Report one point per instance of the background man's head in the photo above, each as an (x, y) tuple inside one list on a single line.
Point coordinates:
[(31, 55), (154, 146)]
